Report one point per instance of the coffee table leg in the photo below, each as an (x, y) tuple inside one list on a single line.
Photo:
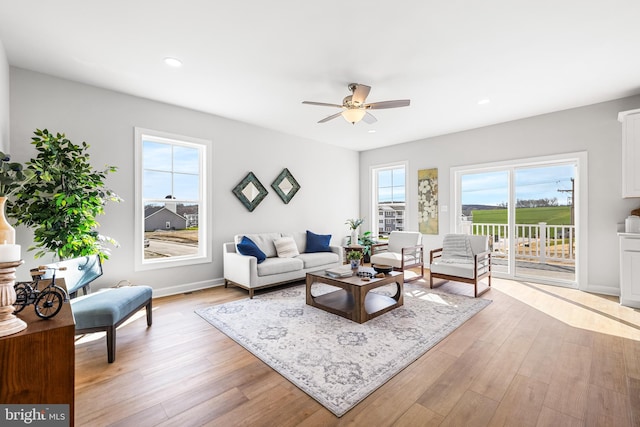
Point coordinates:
[(309, 282), (399, 296)]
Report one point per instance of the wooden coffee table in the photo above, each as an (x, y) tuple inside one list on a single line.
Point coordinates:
[(353, 300)]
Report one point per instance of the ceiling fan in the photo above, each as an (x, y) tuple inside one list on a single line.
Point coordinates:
[(353, 107)]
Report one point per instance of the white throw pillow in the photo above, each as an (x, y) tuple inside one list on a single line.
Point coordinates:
[(286, 247)]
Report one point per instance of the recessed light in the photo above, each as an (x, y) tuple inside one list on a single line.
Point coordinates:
[(372, 131), (484, 101), (173, 62)]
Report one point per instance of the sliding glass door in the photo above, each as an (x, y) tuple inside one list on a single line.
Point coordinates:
[(545, 224), (529, 210)]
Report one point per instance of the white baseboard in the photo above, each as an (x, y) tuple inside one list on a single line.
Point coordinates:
[(187, 287), (604, 290), (181, 288)]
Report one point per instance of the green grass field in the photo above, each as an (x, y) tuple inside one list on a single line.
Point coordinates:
[(554, 215)]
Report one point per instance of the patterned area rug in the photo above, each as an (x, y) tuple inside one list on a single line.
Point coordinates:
[(334, 360)]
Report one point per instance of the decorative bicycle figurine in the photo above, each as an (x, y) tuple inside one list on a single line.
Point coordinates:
[(47, 301)]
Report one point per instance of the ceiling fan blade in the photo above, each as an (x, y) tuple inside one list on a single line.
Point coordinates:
[(388, 104), (322, 104), (369, 118), (331, 117), (360, 93)]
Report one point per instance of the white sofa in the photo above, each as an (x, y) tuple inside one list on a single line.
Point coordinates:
[(245, 271)]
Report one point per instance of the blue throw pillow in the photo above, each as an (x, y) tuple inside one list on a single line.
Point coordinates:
[(318, 242), (248, 247)]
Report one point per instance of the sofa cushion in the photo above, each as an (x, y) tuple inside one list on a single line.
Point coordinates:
[(300, 237), (317, 259), (277, 265), (264, 241), (249, 248), (317, 242), (286, 247)]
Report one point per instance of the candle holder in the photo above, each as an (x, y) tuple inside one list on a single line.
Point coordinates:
[(9, 323)]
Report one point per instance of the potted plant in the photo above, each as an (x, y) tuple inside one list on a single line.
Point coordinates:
[(353, 224), (366, 241), (63, 199), (354, 258)]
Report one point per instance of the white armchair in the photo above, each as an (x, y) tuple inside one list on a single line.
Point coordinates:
[(462, 258), (403, 251)]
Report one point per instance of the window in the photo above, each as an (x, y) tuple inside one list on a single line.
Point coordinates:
[(389, 195), (172, 225)]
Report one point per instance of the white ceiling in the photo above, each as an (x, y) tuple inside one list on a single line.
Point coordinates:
[(255, 61)]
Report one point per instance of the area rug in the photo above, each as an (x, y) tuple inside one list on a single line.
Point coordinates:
[(334, 360)]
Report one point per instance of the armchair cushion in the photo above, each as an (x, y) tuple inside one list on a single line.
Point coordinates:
[(456, 249), (403, 239), (458, 270)]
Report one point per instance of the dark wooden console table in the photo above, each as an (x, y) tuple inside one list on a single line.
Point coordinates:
[(37, 365)]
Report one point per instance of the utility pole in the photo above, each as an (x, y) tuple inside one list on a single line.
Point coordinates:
[(571, 198)]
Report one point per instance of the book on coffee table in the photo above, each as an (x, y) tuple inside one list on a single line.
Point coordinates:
[(342, 271)]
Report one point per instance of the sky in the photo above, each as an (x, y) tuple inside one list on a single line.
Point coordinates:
[(491, 188), (170, 170)]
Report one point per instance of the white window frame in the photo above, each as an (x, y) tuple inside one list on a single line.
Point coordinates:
[(205, 221), (373, 192)]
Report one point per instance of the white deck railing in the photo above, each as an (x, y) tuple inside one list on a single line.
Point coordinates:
[(534, 242)]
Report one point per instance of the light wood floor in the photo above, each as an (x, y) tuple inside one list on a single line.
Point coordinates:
[(536, 356)]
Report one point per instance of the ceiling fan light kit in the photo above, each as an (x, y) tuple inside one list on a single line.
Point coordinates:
[(354, 108), (353, 115)]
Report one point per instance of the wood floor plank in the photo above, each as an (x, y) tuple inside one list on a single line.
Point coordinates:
[(551, 418), (208, 410), (444, 394), (607, 364), (568, 395), (607, 407), (631, 351), (522, 403), (147, 417), (472, 409), (633, 387), (573, 360), (542, 359), (418, 415), (496, 376)]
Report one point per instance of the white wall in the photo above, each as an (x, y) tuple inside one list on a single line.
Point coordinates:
[(105, 119), (4, 101), (593, 129)]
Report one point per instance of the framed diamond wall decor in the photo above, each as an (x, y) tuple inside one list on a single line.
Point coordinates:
[(285, 186), (250, 191)]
